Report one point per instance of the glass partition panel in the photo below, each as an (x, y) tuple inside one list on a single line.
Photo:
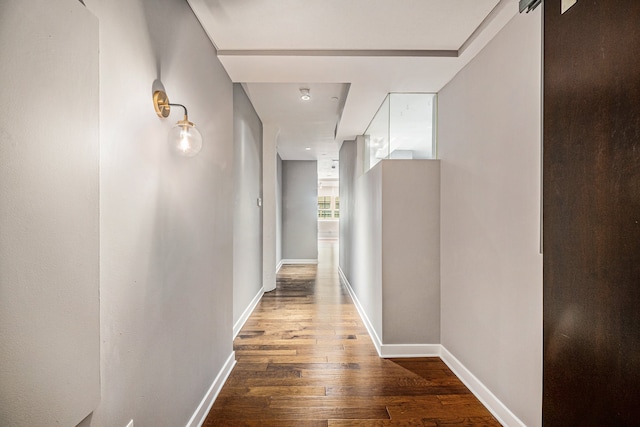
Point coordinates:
[(377, 137), (411, 126), (403, 128)]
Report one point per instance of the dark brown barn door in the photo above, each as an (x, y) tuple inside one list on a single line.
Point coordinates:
[(592, 213)]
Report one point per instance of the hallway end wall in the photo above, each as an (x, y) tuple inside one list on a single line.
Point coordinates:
[(491, 271), (299, 210)]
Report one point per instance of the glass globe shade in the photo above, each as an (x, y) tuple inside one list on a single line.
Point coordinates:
[(185, 139)]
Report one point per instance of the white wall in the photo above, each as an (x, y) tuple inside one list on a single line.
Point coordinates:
[(166, 222), (247, 217), (49, 213), (299, 210), (489, 143)]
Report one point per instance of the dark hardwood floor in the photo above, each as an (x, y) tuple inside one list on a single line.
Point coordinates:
[(304, 358)]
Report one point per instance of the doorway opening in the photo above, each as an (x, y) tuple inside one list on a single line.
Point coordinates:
[(328, 209)]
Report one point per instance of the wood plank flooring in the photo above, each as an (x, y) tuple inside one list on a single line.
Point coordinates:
[(304, 358)]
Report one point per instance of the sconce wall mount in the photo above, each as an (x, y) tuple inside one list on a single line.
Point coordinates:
[(161, 104)]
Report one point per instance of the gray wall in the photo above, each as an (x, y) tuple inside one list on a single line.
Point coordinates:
[(278, 209), (299, 210), (360, 234), (411, 251), (49, 213), (247, 217), (166, 222), (270, 220), (347, 172), (366, 246), (489, 143)]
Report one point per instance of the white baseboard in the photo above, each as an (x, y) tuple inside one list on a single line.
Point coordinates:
[(198, 417), (367, 323), (299, 261), (279, 266), (484, 395), (247, 312), (409, 350)]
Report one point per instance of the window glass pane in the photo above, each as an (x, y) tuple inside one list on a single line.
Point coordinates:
[(324, 202)]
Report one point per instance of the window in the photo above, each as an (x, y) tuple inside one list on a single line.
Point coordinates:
[(328, 207), (324, 202)]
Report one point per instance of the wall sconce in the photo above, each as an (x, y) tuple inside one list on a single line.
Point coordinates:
[(184, 138)]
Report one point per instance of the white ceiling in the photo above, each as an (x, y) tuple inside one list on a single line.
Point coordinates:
[(344, 24), (356, 50)]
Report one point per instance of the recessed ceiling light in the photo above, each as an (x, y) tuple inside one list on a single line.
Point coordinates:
[(307, 148), (304, 94)]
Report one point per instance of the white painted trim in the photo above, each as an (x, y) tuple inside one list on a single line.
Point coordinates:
[(247, 312), (484, 395), (410, 350), (279, 266), (198, 417), (299, 261), (367, 323)]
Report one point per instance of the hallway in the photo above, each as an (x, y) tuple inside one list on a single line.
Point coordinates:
[(304, 358)]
